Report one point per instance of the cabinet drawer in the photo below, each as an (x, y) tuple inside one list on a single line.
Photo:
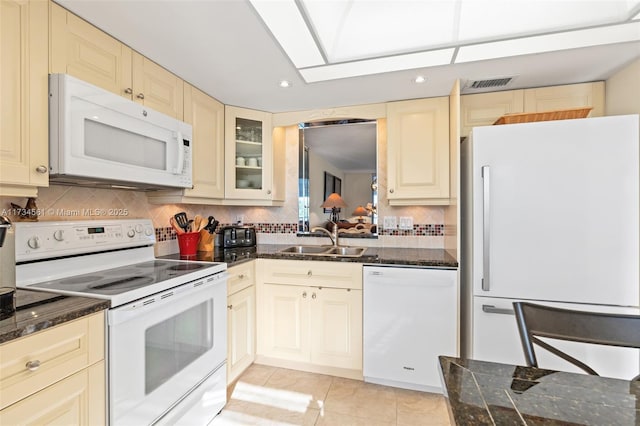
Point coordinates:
[(76, 400), (240, 277), (60, 352), (313, 273)]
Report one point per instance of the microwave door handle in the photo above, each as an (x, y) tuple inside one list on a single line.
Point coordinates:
[(180, 165)]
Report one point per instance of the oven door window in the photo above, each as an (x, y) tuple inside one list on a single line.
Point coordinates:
[(176, 342)]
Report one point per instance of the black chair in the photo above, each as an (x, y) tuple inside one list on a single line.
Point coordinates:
[(578, 326)]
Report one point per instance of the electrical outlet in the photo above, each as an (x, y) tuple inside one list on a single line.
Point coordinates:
[(390, 222), (239, 219), (406, 222)]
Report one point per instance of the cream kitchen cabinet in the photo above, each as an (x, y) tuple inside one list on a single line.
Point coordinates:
[(82, 50), (310, 313), (564, 97), (24, 149), (241, 319), (58, 373), (418, 152), (483, 109), (206, 115), (248, 157)]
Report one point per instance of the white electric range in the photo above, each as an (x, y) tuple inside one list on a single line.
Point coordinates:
[(166, 328)]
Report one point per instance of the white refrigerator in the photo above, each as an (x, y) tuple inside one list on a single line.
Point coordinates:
[(550, 214)]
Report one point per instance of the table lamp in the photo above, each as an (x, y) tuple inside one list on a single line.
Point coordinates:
[(360, 211), (335, 203)]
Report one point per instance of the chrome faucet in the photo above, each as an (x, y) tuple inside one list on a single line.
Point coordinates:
[(332, 235)]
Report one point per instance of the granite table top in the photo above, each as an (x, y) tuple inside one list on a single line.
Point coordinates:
[(433, 258), (37, 310), (487, 393)]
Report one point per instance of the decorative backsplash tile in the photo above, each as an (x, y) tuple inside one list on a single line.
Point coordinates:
[(419, 230)]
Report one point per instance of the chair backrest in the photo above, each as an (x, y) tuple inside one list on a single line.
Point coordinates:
[(578, 326)]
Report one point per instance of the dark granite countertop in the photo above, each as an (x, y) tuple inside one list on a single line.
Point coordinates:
[(487, 393), (434, 258), (36, 310)]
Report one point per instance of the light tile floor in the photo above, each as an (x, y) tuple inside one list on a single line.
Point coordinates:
[(275, 396)]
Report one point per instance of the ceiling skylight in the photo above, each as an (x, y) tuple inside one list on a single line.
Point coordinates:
[(345, 38)]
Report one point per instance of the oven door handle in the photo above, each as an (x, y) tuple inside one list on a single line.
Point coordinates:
[(165, 298)]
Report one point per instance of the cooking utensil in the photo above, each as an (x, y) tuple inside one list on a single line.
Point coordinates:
[(182, 221), (212, 224), (197, 223), (174, 225)]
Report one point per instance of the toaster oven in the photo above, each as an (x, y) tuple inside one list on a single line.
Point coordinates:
[(236, 236)]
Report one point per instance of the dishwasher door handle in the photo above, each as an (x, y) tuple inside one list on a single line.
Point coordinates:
[(490, 309)]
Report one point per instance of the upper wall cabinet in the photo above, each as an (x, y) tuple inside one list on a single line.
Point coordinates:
[(249, 156), (82, 50), (24, 149), (206, 115), (565, 97), (483, 109), (418, 152)]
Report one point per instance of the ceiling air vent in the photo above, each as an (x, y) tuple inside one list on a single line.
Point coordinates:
[(488, 83)]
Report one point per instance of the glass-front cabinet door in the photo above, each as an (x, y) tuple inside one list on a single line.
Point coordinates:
[(248, 168)]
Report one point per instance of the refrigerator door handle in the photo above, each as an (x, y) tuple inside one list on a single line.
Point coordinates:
[(490, 309), (486, 228)]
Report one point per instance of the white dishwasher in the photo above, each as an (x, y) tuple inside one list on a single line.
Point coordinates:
[(410, 318)]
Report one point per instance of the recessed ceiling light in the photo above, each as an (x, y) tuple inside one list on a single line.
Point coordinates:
[(284, 83), (420, 79)]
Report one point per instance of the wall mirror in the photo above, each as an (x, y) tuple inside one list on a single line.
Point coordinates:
[(338, 157)]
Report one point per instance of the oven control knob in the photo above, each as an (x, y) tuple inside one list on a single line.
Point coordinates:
[(148, 231), (59, 235), (34, 242), (131, 233), (138, 228)]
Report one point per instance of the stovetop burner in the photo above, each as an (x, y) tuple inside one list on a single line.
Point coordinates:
[(116, 281), (186, 267), (110, 259), (124, 283)]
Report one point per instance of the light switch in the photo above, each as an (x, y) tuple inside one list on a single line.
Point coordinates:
[(406, 222), (390, 222)]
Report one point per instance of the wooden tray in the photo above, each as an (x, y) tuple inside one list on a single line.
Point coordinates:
[(528, 117)]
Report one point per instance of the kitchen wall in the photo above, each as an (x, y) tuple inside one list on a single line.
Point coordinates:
[(275, 225), (279, 224)]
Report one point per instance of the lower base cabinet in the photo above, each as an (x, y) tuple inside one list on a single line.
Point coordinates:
[(316, 326), (77, 400), (241, 319), (55, 376)]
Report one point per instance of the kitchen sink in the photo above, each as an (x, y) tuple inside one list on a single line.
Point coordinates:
[(325, 251), (347, 251), (306, 249)]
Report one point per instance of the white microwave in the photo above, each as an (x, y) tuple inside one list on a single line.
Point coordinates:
[(100, 139)]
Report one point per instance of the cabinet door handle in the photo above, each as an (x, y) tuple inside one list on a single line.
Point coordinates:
[(33, 365), (391, 190), (229, 307), (241, 276), (313, 296), (41, 169), (304, 295), (269, 191), (309, 273), (128, 91), (140, 96)]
